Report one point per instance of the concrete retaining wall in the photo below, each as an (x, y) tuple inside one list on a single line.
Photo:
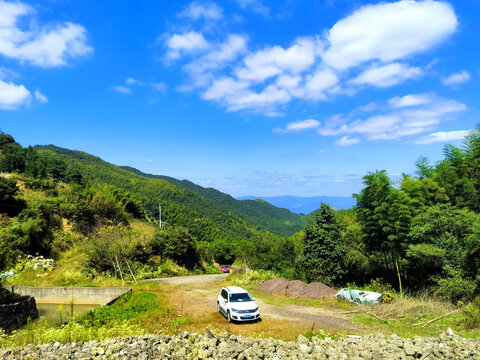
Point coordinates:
[(14, 315), (62, 295)]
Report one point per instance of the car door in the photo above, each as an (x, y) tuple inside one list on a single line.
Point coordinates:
[(223, 301)]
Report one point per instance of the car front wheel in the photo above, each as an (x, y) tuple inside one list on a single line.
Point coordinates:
[(229, 318)]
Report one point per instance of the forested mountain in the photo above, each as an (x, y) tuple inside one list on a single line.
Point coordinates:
[(208, 213), (305, 205), (260, 213)]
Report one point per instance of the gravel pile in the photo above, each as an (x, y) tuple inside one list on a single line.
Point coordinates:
[(298, 289), (225, 346)]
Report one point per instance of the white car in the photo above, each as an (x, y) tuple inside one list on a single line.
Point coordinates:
[(237, 305)]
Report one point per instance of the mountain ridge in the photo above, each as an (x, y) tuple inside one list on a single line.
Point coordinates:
[(304, 204)]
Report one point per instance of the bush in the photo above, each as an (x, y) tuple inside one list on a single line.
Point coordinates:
[(376, 285), (471, 318), (454, 286), (252, 279)]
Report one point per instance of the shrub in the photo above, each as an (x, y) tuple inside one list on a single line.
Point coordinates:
[(454, 286), (252, 279), (471, 318)]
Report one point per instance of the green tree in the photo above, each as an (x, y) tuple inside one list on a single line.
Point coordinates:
[(323, 252)]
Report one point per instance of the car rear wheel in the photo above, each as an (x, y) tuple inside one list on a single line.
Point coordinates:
[(218, 307), (229, 318)]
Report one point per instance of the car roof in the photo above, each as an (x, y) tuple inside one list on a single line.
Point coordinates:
[(235, 289)]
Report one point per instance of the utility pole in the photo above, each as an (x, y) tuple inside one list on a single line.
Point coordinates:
[(160, 216)]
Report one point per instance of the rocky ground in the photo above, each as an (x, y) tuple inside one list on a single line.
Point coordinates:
[(227, 346)]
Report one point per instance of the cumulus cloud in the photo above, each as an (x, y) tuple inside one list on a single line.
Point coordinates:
[(398, 118), (185, 43), (388, 32), (456, 79), (13, 96), (348, 57), (197, 10), (300, 125), (46, 46), (41, 98), (218, 55), (387, 75), (122, 89), (347, 141), (410, 100), (443, 136)]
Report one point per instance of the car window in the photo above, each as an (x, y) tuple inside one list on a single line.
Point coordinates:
[(240, 297), (224, 294)]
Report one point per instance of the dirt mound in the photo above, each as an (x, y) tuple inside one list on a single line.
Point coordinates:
[(298, 289), (274, 286), (295, 288), (317, 290)]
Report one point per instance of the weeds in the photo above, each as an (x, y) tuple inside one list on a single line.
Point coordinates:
[(252, 279)]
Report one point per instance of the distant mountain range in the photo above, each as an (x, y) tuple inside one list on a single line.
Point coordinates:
[(305, 205)]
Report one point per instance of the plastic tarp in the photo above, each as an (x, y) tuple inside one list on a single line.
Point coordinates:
[(360, 296)]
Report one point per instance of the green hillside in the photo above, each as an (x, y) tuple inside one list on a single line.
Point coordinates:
[(205, 218), (258, 212)]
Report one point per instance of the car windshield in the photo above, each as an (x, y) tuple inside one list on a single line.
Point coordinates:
[(241, 297)]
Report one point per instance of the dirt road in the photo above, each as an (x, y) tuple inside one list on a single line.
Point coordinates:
[(191, 279), (196, 297)]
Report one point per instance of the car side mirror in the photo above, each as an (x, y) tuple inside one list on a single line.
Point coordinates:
[(254, 299)]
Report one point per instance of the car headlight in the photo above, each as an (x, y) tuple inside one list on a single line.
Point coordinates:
[(255, 310)]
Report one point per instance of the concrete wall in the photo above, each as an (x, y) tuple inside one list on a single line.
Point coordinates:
[(14, 315), (80, 295)]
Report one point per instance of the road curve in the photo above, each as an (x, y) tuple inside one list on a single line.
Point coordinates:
[(190, 279)]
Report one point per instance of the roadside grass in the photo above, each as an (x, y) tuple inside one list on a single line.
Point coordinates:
[(69, 271), (138, 313), (252, 280)]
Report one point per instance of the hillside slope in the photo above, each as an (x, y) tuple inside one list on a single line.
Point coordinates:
[(206, 218), (258, 212)]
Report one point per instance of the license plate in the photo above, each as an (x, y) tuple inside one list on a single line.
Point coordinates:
[(247, 317)]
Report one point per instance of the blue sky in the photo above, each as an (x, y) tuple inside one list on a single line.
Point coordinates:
[(249, 97)]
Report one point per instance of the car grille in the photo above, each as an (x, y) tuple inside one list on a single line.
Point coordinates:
[(246, 311)]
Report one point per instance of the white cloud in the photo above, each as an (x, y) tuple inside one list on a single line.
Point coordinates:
[(410, 100), (160, 86), (219, 55), (347, 141), (46, 46), (320, 81), (41, 98), (185, 43), (13, 96), (300, 125), (122, 89), (456, 79), (196, 10), (387, 75), (254, 5), (224, 87), (398, 118), (372, 47), (130, 81), (442, 136), (388, 32), (268, 98), (272, 61)]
